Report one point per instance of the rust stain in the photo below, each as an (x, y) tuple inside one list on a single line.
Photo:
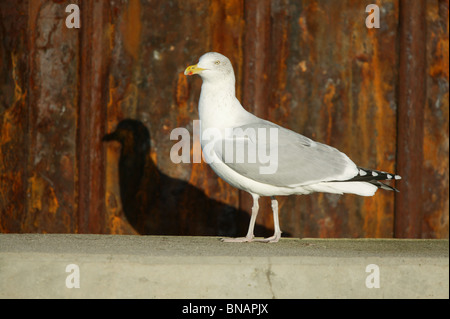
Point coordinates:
[(432, 147), (154, 157), (371, 223), (181, 99), (112, 101), (364, 103), (326, 227), (112, 202), (120, 226), (130, 99), (226, 20), (374, 111), (385, 124), (436, 140), (43, 197), (19, 93), (53, 204), (131, 28), (36, 186), (198, 172), (8, 129), (308, 23), (302, 24), (281, 71), (182, 92), (112, 191), (109, 33), (362, 57), (385, 116), (440, 66), (226, 15), (67, 167), (302, 65), (328, 102)]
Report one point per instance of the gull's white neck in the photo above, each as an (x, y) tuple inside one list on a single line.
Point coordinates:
[(219, 107)]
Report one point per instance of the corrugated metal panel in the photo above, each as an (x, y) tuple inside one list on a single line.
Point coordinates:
[(435, 205), (13, 116), (335, 82), (52, 112), (411, 100), (311, 66)]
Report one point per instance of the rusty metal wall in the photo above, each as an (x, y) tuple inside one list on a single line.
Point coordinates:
[(311, 66), (435, 204)]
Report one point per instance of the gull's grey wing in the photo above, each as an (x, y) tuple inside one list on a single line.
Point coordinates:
[(283, 157)]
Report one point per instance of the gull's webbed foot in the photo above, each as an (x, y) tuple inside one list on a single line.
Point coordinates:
[(273, 239), (246, 239)]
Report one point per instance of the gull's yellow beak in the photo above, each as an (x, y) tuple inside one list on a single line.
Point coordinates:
[(192, 69)]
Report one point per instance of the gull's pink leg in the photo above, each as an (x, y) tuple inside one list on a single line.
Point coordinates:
[(277, 234), (250, 236)]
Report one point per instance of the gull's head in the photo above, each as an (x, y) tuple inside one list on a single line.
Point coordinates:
[(212, 66)]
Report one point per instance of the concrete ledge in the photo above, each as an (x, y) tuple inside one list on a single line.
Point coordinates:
[(34, 266)]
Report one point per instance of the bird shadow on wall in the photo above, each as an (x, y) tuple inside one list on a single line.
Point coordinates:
[(157, 204)]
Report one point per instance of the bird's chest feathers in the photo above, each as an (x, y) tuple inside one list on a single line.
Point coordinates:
[(217, 108)]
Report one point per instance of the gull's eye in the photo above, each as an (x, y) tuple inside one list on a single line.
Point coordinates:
[(217, 62)]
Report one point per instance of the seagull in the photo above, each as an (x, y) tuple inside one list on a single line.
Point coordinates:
[(296, 165)]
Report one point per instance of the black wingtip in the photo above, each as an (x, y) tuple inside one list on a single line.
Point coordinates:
[(370, 175), (384, 186), (375, 177)]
